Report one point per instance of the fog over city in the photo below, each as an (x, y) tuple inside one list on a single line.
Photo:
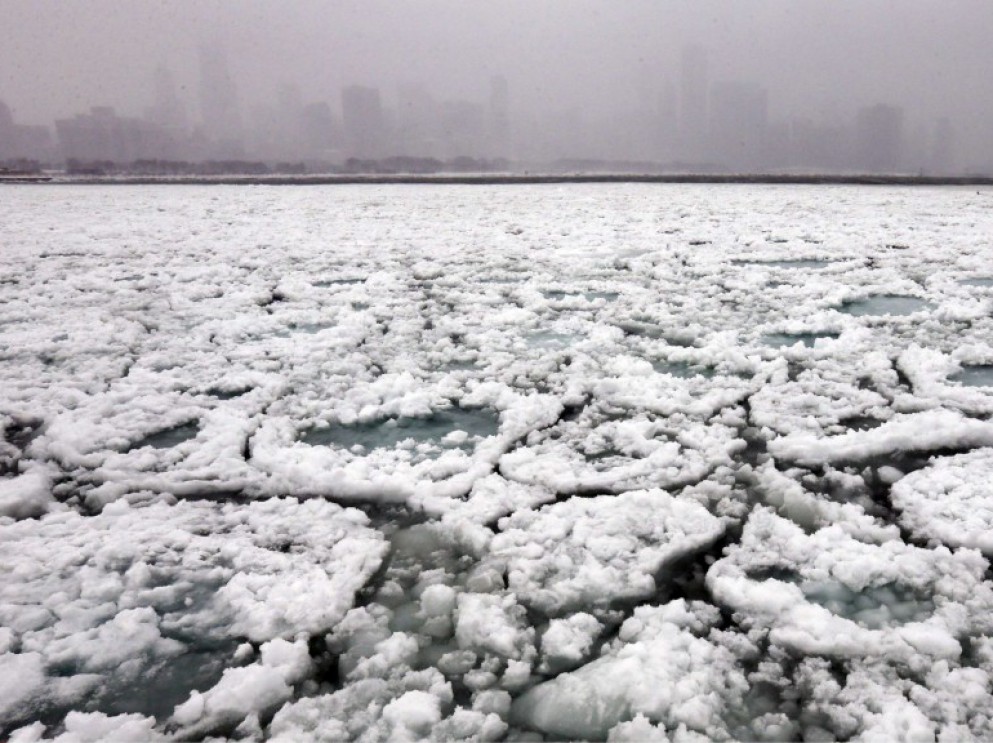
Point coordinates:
[(710, 86), (496, 370)]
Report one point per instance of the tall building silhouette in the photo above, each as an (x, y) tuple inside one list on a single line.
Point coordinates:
[(219, 109), (8, 138), (463, 128), (941, 158), (418, 119), (739, 124), (103, 135), (21, 141), (364, 121), (167, 109), (879, 139)]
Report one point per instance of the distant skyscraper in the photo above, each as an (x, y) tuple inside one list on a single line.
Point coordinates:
[(739, 124), (7, 137), (219, 109), (365, 124), (290, 124), (942, 156), (167, 110), (418, 121), (319, 130), (693, 92), (879, 139), (103, 135), (819, 147), (20, 141), (463, 128)]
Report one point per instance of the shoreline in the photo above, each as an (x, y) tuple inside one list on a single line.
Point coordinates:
[(505, 179)]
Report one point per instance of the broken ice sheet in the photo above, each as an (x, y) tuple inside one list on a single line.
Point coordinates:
[(950, 502), (587, 553), (828, 593), (134, 591), (437, 642)]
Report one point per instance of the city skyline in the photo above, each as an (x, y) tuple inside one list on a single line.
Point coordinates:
[(697, 123), (778, 85)]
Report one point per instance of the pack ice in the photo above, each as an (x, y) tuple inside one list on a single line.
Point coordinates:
[(585, 462)]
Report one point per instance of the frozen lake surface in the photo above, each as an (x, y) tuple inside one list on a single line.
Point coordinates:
[(626, 462)]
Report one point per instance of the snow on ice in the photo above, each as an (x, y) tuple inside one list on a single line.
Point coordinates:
[(625, 462)]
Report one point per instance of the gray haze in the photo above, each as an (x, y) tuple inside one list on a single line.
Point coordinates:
[(584, 78)]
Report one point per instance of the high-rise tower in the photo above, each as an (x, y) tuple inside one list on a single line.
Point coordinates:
[(219, 109), (365, 123)]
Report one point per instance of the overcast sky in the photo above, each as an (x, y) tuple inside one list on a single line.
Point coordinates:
[(822, 57)]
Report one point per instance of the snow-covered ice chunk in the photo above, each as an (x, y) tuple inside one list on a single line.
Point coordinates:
[(915, 432), (250, 690), (496, 625), (584, 554), (588, 456), (827, 593), (950, 501), (28, 495), (132, 591), (661, 667), (568, 642)]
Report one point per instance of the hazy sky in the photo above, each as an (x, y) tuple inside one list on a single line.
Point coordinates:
[(825, 57)]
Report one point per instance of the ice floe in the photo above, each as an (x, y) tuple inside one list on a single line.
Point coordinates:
[(625, 462)]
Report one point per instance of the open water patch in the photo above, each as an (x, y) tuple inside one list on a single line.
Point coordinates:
[(683, 369), (860, 423), (325, 283), (221, 394), (804, 263), (787, 340), (476, 423), (984, 281), (874, 607), (546, 339), (559, 295), (306, 328), (169, 684), (885, 304), (458, 365), (606, 296), (169, 437), (974, 376)]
